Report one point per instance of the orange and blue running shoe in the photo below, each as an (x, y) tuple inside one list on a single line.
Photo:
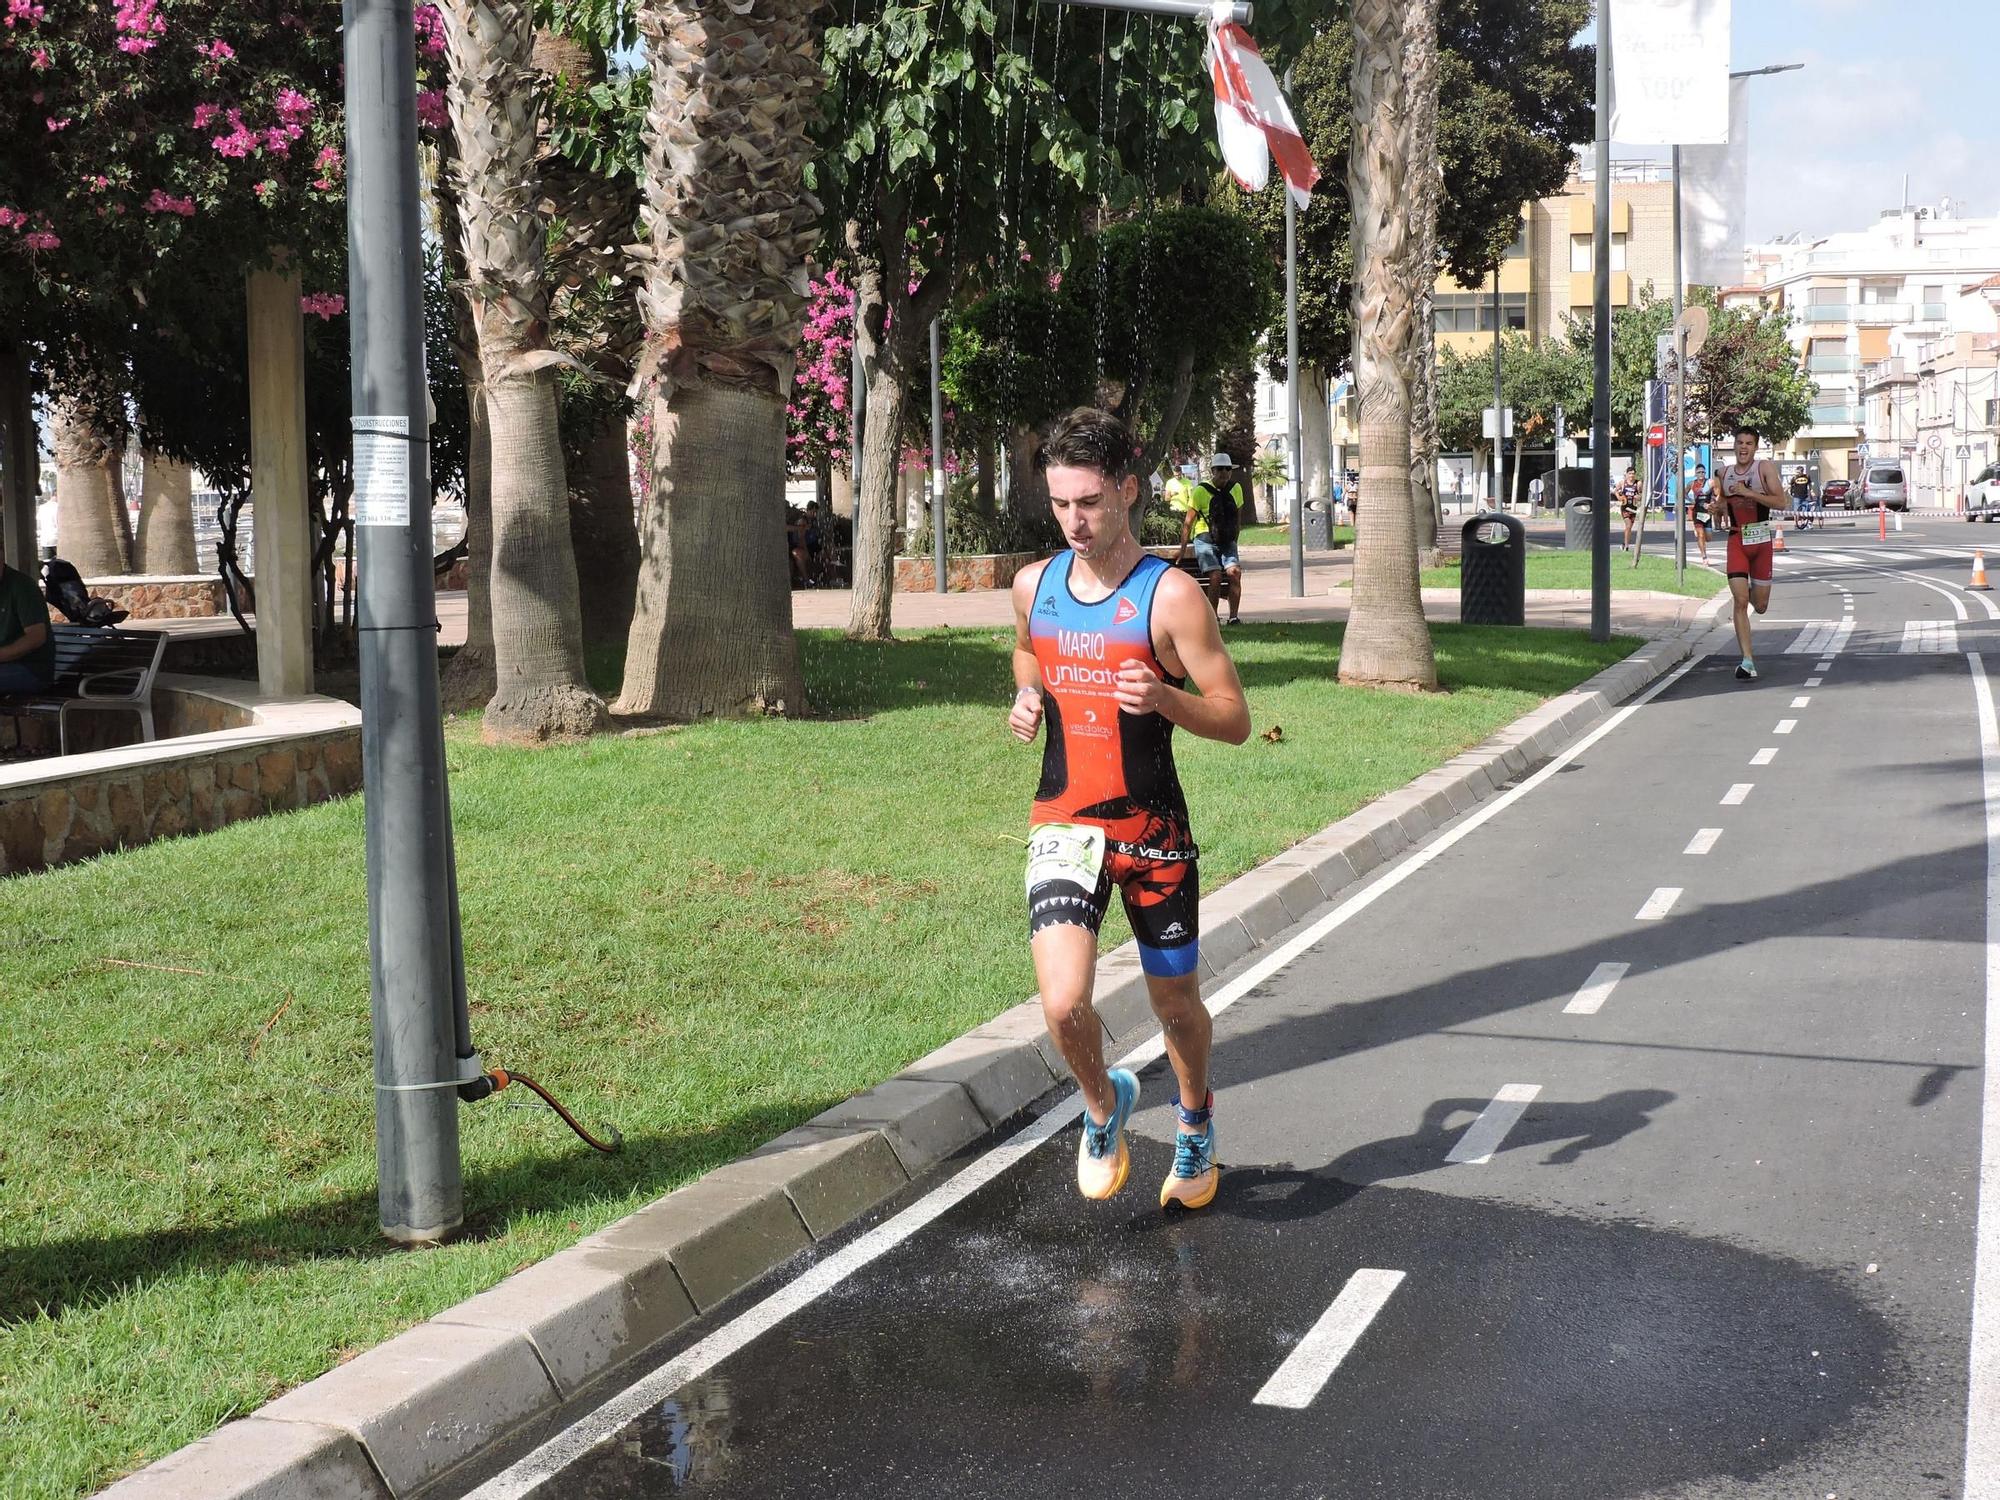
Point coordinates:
[(1196, 1175), (1102, 1160)]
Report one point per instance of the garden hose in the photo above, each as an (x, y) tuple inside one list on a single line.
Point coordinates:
[(495, 1079)]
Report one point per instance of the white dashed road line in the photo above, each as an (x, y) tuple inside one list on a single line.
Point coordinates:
[(1801, 701), (1786, 726), (1659, 904), (1765, 756), (1316, 1356), (1483, 1136), (1703, 841), (1596, 989), (1813, 682), (1738, 794)]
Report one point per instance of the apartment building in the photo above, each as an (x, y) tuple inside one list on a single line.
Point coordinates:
[(1872, 309)]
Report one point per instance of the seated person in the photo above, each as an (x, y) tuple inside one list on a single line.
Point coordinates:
[(27, 649)]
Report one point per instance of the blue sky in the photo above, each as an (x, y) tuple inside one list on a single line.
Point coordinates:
[(1889, 87)]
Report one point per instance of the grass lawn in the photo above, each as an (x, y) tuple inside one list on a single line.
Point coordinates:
[(1280, 536), (703, 935), (1571, 570)]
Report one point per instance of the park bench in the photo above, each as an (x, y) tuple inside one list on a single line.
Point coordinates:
[(97, 670)]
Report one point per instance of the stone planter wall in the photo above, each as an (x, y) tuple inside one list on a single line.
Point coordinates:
[(262, 756), (166, 597), (962, 575)]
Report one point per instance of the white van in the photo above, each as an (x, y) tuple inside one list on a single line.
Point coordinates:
[(1883, 484)]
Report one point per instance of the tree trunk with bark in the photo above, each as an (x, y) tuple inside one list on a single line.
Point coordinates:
[(1315, 436), (1426, 193), (90, 494), (20, 461), (1387, 642), (605, 529), (541, 694), (729, 141), (166, 516)]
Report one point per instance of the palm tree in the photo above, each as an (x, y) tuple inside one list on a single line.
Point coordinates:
[(730, 225), (90, 497), (166, 516), (1386, 641), (1427, 191), (541, 693)]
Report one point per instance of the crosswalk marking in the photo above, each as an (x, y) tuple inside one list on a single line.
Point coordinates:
[(1929, 638), (1823, 638)]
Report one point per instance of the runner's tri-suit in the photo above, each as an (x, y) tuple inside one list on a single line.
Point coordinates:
[(1750, 538), (1113, 770)]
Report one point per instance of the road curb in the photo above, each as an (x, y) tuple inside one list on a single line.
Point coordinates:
[(402, 1415)]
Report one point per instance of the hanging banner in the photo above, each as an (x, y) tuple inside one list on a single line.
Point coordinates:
[(1669, 72), (1715, 196), (1253, 123)]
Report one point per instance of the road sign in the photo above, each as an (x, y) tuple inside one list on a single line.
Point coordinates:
[(1694, 327), (1656, 436), (1486, 423)]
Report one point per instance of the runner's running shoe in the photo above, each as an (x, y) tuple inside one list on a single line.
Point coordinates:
[(1746, 670), (1102, 1162), (1195, 1177)]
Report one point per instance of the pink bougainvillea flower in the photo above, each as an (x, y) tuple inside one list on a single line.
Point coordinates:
[(99, 183), (217, 51), (41, 239), (39, 59), (139, 24), (329, 159), (322, 304), (429, 29), (205, 115), (159, 201), (11, 218), (292, 105), (24, 13), (54, 124), (430, 108)]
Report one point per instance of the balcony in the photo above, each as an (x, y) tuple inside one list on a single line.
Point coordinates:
[(1826, 312), (1835, 416), (1932, 313), (1884, 372), (1831, 364), (1880, 314)]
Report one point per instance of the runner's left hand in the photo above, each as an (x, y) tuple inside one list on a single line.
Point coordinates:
[(1139, 691)]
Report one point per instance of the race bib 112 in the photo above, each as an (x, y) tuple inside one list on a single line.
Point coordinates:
[(1073, 852)]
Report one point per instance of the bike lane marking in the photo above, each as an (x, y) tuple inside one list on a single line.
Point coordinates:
[(1306, 1369)]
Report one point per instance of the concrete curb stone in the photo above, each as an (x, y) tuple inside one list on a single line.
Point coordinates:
[(395, 1418), (425, 1401)]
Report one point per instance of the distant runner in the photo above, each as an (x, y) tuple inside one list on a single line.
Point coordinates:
[(1750, 492), (1104, 636), (1698, 494)]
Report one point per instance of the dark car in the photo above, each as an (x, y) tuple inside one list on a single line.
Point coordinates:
[(1835, 492)]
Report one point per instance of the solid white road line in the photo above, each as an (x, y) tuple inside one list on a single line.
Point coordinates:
[(1703, 841), (1786, 726), (1985, 603), (1801, 701), (1483, 1136), (1982, 1428), (1659, 904), (1738, 794), (1936, 588), (1765, 756), (1597, 989), (598, 1426), (1327, 1342)]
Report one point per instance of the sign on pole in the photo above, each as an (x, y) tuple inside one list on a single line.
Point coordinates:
[(1669, 72), (1656, 436), (1486, 423)]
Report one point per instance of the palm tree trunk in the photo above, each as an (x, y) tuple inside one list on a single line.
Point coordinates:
[(886, 363), (1314, 435), (605, 530), (1386, 641), (1427, 190), (166, 516), (468, 678), (729, 142), (90, 497), (540, 693)]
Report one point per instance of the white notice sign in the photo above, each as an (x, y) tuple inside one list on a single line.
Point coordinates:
[(381, 471), (1669, 72)]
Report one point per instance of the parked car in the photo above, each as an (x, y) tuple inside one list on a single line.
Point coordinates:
[(1835, 492), (1884, 485), (1982, 495)]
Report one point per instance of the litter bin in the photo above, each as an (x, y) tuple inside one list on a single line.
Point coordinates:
[(1579, 525), (1319, 529), (1493, 571)]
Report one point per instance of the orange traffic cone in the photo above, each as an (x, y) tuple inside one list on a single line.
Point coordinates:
[(1777, 539), (1979, 573)]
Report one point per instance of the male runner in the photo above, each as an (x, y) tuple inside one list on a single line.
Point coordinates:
[(1750, 492), (1104, 636)]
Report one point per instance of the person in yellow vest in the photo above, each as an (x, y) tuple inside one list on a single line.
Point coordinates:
[(1212, 522)]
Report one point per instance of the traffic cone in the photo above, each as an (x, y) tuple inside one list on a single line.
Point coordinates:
[(1777, 539), (1979, 582), (1882, 518)]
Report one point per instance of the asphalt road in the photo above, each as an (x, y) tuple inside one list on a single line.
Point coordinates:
[(1629, 1144)]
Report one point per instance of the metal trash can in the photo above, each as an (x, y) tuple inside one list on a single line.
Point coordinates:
[(1493, 571), (1579, 525), (1319, 529)]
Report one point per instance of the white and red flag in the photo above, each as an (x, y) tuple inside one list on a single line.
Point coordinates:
[(1253, 122)]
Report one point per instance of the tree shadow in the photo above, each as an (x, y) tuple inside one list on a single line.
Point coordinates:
[(45, 1278)]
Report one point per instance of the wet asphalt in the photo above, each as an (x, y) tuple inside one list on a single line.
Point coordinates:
[(1725, 1251)]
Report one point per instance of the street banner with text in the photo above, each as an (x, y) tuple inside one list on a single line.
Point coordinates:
[(1715, 194), (1669, 72)]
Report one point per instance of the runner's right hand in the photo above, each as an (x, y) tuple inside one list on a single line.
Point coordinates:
[(1026, 718)]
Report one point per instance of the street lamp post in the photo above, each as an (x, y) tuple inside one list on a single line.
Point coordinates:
[(1298, 512)]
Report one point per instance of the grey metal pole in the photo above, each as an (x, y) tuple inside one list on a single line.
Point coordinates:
[(1499, 399), (412, 903), (1298, 509), (938, 524), (1556, 474), (1677, 394), (1600, 417)]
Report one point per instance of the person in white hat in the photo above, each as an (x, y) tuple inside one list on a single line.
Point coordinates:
[(1212, 522)]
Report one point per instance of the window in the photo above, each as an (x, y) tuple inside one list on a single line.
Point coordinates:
[(1618, 251), (1472, 312), (1934, 294), (1579, 252), (1873, 293), (1520, 246), (1830, 296)]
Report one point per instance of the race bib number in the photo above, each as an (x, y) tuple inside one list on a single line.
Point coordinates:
[(1065, 851), (1756, 532)]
